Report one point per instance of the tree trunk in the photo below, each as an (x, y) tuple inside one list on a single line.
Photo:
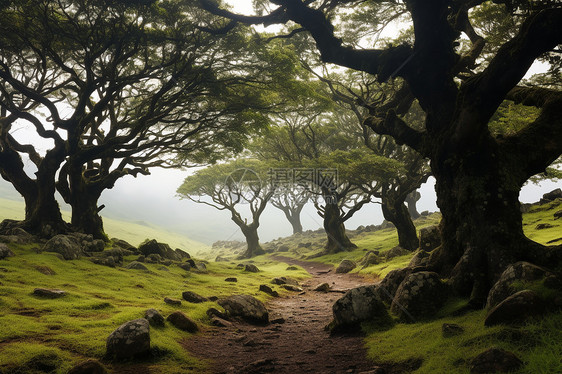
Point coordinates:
[(482, 232), (335, 230), (294, 219), (252, 240), (411, 201), (396, 212), (86, 218)]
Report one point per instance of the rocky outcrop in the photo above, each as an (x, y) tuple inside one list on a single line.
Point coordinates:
[(5, 252), (358, 305), (246, 307), (162, 249), (419, 296), (131, 339), (345, 266)]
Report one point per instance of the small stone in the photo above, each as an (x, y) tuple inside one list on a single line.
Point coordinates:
[(170, 301), (50, 294), (219, 322), (213, 312), (251, 268), (231, 279), (45, 270), (154, 317), (451, 329), (324, 287), (192, 297), (182, 322), (276, 319), (290, 287), (345, 266), (268, 290), (278, 281)]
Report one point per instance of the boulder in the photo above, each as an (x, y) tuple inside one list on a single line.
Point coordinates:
[(185, 266), (5, 252), (64, 245), (153, 258), (104, 261), (450, 329), (420, 258), (346, 266), (516, 308), (358, 305), (96, 245), (268, 290), (495, 360), (182, 322), (388, 286), (395, 252), (283, 248), (200, 267), (131, 339), (231, 279), (251, 268), (371, 258), (246, 307), (279, 281), (137, 266), (88, 367), (49, 294), (520, 271), (154, 317), (552, 195), (149, 247), (192, 297), (420, 295), (182, 254), (430, 238)]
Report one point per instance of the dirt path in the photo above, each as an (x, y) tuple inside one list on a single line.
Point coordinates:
[(300, 345)]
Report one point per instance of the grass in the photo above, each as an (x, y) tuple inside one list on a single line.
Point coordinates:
[(62, 332)]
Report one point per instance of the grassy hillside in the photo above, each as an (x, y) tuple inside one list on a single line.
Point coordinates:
[(133, 232)]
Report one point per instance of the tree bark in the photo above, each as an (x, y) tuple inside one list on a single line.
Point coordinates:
[(338, 240), (396, 212), (294, 218), (252, 240)]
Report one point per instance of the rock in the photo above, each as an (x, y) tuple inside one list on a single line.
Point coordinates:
[(251, 268), (388, 286), (219, 322), (182, 322), (371, 258), (358, 305), (47, 293), (520, 271), (131, 339), (292, 287), (5, 251), (136, 266), (495, 360), (304, 245), (163, 268), (279, 281), (43, 269), (420, 295), (221, 259), (240, 266), (268, 290), (450, 329), (171, 301), (558, 214), (395, 252), (292, 268), (231, 279), (200, 267), (124, 245), (430, 238), (516, 308), (153, 258), (542, 226), (154, 317), (182, 254), (552, 195), (64, 245), (213, 312), (246, 307), (192, 297), (88, 367), (97, 245), (185, 266), (276, 319), (324, 287), (420, 258), (284, 248), (109, 261), (345, 266), (149, 247)]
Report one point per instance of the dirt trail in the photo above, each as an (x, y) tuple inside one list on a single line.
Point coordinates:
[(300, 345)]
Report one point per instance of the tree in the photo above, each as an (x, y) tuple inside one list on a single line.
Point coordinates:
[(478, 175), (119, 88), (291, 199), (230, 186)]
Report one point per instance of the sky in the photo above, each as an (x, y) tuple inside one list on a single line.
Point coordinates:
[(153, 199)]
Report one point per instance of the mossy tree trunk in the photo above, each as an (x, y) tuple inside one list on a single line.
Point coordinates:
[(338, 241), (396, 212)]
